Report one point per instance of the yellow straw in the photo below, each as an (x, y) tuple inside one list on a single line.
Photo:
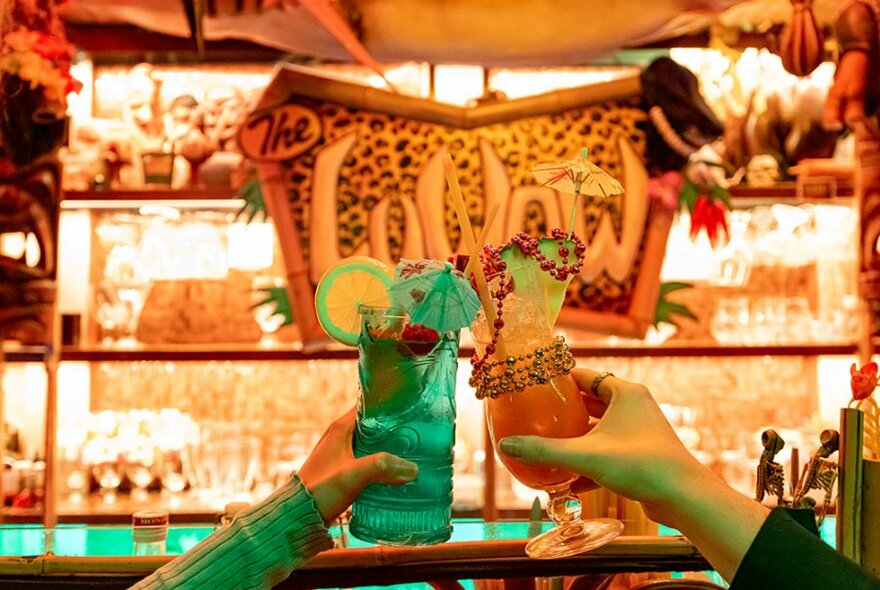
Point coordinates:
[(467, 234), (484, 235)]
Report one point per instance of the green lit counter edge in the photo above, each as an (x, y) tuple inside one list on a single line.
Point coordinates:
[(477, 550)]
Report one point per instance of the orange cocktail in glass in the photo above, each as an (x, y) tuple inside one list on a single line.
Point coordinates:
[(523, 371), (553, 410)]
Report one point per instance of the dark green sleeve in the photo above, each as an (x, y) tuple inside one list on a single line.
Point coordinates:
[(788, 554)]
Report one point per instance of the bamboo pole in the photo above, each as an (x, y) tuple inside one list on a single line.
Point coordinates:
[(507, 556), (52, 360), (849, 486), (303, 82), (482, 551), (299, 286)]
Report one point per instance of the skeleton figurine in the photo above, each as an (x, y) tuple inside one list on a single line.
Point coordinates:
[(819, 473), (771, 476)]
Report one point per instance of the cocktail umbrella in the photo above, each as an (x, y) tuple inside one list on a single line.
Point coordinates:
[(577, 177), (434, 294)]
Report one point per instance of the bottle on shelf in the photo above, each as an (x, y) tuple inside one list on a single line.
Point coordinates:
[(149, 529)]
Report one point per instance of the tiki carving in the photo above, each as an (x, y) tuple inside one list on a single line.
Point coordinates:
[(29, 200), (853, 101)]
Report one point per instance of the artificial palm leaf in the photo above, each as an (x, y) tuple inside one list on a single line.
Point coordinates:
[(278, 299), (666, 309), (254, 204)]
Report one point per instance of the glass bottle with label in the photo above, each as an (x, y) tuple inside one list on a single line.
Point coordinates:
[(149, 529)]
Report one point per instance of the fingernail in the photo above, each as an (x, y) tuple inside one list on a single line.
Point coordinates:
[(406, 470), (511, 446)]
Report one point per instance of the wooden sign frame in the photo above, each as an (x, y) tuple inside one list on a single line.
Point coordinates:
[(646, 242)]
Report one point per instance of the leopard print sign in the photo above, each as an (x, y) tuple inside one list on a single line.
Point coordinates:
[(370, 179)]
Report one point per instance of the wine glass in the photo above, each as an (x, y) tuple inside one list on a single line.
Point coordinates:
[(108, 474), (139, 467), (529, 390), (171, 470)]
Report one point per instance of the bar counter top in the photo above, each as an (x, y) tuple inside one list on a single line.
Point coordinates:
[(78, 556)]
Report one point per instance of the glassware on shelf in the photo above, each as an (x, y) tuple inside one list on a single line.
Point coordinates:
[(767, 320), (140, 476), (730, 321), (120, 292), (158, 168), (171, 470), (73, 472), (78, 483), (798, 319), (735, 258), (108, 474), (223, 464), (285, 454), (184, 245), (117, 310), (172, 432), (139, 461)]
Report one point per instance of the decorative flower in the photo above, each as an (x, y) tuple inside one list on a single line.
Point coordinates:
[(666, 189), (863, 381), (711, 216), (42, 61)]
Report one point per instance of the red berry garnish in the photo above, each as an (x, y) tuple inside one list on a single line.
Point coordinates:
[(419, 333)]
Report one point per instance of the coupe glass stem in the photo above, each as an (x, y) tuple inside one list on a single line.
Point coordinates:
[(564, 507)]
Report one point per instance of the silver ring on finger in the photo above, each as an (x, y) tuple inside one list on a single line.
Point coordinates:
[(594, 387)]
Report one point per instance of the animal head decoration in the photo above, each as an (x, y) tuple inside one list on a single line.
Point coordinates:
[(863, 381), (680, 120)]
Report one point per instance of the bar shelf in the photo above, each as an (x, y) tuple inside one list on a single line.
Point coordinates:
[(781, 192), (119, 198), (235, 352)]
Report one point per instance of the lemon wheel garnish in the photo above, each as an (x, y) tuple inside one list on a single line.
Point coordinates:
[(351, 283)]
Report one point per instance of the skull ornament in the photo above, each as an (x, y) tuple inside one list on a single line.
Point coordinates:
[(762, 171)]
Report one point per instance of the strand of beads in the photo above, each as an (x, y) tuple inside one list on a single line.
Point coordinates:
[(493, 264), (516, 373), (478, 362), (530, 247)]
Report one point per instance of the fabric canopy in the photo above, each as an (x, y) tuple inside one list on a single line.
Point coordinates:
[(487, 32)]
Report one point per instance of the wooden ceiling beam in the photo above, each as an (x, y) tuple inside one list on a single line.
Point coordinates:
[(130, 44)]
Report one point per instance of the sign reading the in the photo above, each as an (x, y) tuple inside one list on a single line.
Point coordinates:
[(279, 133)]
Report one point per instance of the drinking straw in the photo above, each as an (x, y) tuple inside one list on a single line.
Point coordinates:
[(484, 235), (467, 234)]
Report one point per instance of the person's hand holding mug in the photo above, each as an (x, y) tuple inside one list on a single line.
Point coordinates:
[(335, 477), (633, 451)]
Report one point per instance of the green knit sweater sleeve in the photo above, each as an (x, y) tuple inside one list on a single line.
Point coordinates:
[(261, 547)]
